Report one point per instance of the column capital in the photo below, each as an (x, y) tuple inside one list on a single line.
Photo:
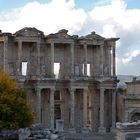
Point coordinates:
[(38, 89), (85, 89), (38, 43), (102, 45), (114, 90), (72, 44), (52, 44), (85, 45), (102, 87), (72, 90), (20, 41), (52, 89), (112, 43)]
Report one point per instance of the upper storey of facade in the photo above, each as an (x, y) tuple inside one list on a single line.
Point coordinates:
[(30, 53)]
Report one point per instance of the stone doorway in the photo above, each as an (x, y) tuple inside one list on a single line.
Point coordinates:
[(57, 107), (135, 117)]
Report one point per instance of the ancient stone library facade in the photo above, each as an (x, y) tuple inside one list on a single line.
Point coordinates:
[(70, 79)]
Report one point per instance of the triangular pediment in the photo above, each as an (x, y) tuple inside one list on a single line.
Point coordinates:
[(29, 32), (92, 36)]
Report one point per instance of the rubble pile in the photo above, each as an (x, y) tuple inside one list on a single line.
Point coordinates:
[(37, 132)]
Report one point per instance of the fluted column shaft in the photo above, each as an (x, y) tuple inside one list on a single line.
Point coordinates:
[(5, 53), (85, 108), (109, 60), (72, 103), (52, 108), (19, 57), (114, 60), (101, 59), (72, 58), (101, 127), (52, 59), (85, 61), (38, 58), (39, 105), (113, 109)]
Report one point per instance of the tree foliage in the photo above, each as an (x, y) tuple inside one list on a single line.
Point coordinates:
[(14, 110)]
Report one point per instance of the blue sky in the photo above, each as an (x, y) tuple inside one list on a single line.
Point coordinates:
[(109, 18), (85, 4)]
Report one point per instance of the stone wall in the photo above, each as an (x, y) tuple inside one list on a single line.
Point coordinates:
[(85, 66), (128, 131)]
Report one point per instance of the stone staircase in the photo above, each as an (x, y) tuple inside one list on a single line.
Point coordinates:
[(89, 136)]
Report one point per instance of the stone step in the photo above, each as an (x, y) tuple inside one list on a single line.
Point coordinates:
[(89, 136)]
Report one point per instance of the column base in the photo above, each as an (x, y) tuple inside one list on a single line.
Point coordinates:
[(71, 130), (113, 129), (85, 130), (102, 130)]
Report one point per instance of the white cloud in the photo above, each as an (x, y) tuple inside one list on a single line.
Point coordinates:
[(110, 20), (49, 17), (129, 56)]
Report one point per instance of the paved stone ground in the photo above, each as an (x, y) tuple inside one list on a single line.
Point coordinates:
[(89, 136)]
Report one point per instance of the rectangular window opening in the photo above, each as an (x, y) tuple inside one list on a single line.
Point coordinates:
[(56, 70), (24, 68), (88, 70), (83, 69)]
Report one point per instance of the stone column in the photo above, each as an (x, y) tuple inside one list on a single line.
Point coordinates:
[(5, 53), (101, 127), (39, 105), (85, 61), (101, 59), (85, 129), (72, 58), (114, 60), (52, 107), (52, 59), (38, 58), (72, 106), (113, 110), (95, 107), (19, 57), (109, 60)]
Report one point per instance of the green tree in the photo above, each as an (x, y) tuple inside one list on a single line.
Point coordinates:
[(14, 109)]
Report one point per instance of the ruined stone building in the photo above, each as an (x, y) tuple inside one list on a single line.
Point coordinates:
[(128, 102), (69, 78)]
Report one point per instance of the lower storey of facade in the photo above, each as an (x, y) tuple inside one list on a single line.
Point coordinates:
[(73, 107)]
